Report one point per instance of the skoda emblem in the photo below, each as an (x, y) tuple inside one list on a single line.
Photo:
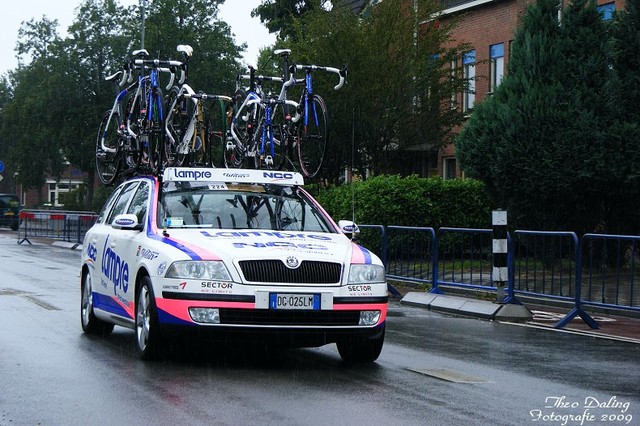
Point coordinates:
[(292, 262)]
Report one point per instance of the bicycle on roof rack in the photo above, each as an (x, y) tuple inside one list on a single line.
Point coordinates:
[(189, 127), (128, 138), (268, 128)]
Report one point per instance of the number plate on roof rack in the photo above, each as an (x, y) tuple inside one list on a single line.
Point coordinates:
[(203, 174)]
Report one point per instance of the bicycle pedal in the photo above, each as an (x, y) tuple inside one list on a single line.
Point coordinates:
[(230, 146), (268, 160)]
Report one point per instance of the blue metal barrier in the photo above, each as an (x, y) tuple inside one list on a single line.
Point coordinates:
[(61, 225), (465, 258), (610, 267), (548, 264), (377, 239), (411, 254), (597, 270)]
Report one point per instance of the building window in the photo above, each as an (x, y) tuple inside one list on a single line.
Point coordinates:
[(454, 95), (57, 188), (449, 167), (496, 53), (469, 64), (606, 11)]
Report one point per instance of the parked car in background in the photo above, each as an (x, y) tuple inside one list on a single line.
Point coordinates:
[(228, 253), (9, 211)]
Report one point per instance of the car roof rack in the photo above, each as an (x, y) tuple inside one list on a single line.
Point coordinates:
[(223, 175)]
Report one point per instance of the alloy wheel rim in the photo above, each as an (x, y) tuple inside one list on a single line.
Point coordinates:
[(142, 320)]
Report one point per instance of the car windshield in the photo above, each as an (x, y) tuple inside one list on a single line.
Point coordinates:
[(9, 201), (240, 206)]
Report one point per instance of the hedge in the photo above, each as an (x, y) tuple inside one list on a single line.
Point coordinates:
[(409, 201)]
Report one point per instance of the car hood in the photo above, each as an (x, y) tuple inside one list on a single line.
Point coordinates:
[(234, 245)]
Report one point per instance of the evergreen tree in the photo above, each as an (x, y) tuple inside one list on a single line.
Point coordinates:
[(543, 142)]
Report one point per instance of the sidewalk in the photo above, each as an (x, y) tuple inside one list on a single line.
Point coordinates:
[(614, 327)]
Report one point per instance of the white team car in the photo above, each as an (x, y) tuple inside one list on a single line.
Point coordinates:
[(242, 253)]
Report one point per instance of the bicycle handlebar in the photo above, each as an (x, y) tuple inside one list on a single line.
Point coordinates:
[(342, 74), (204, 96)]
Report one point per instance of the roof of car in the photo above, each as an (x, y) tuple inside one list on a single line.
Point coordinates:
[(221, 175)]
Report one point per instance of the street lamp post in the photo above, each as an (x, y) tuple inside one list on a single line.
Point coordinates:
[(143, 5)]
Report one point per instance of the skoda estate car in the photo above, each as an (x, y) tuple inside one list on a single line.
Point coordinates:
[(230, 253)]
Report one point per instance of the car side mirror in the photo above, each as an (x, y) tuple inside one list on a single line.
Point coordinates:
[(126, 221), (349, 228)]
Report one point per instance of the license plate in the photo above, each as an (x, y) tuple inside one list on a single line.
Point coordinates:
[(294, 301), (8, 213)]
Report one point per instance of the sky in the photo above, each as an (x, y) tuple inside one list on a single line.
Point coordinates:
[(237, 13)]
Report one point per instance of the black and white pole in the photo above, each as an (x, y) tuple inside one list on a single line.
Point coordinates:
[(500, 272)]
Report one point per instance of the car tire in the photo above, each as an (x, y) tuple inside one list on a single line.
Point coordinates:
[(361, 350), (15, 226), (90, 323), (148, 338)]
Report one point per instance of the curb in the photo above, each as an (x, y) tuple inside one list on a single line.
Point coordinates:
[(468, 307)]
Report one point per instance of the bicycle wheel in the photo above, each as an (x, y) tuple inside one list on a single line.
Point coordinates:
[(108, 161), (312, 137), (177, 122), (280, 138), (154, 148), (133, 151), (218, 119), (243, 124)]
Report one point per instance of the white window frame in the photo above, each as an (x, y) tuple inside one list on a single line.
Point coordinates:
[(55, 188), (446, 161), (469, 96), (496, 53)]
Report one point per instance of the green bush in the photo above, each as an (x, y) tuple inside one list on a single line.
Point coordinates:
[(409, 201)]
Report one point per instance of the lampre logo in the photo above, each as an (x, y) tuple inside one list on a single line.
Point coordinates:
[(194, 174), (115, 269)]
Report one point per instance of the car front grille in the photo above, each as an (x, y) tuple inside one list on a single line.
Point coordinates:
[(231, 316), (275, 271)]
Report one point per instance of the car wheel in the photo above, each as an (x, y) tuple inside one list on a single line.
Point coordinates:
[(15, 226), (361, 350), (91, 324), (147, 331)]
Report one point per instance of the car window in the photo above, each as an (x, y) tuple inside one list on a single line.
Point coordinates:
[(9, 202), (140, 202), (122, 201), (257, 207), (107, 205)]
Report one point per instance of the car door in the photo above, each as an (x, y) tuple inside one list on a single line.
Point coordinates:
[(111, 264), (130, 241)]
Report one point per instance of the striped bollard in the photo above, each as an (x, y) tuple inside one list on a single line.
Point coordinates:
[(500, 272)]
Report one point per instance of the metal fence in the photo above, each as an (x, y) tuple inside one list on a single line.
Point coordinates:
[(597, 270), (61, 225)]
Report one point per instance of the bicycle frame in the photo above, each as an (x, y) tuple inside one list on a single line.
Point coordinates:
[(116, 108)]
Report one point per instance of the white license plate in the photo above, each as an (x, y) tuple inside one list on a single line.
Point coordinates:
[(294, 301)]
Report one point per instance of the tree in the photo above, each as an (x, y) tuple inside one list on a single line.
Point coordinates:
[(28, 119), (279, 16), (58, 94), (216, 58), (543, 143), (398, 88)]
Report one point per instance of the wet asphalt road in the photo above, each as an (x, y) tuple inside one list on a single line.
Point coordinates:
[(434, 369)]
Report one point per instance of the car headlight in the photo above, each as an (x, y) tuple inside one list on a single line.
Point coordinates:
[(196, 269), (359, 273)]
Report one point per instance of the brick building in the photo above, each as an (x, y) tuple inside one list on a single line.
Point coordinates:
[(488, 26)]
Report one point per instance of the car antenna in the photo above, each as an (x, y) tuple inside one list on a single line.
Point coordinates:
[(353, 154), (164, 219)]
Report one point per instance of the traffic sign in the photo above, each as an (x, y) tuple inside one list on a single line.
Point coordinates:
[(1, 166)]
